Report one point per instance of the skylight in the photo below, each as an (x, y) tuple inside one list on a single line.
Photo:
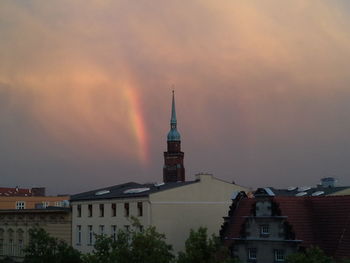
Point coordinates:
[(303, 188), (136, 190), (301, 194), (102, 192), (317, 193)]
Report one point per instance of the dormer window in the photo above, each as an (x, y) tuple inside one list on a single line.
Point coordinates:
[(264, 230)]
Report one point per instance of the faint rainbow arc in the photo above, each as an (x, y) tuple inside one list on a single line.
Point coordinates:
[(138, 124)]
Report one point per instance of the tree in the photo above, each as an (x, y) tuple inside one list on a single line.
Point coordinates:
[(312, 255), (147, 246), (43, 248), (200, 248)]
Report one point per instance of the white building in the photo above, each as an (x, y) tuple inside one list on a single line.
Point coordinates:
[(173, 208)]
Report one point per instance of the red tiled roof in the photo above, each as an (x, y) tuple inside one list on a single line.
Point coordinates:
[(6, 191), (319, 221)]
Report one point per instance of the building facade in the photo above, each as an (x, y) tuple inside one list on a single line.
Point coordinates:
[(32, 202), (173, 208), (268, 228), (15, 225)]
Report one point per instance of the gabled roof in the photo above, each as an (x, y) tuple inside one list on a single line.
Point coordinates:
[(309, 192), (322, 221), (7, 191), (127, 190)]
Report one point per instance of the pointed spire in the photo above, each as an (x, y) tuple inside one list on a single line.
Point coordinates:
[(173, 111), (173, 134)]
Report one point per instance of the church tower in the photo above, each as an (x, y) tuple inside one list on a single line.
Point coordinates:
[(173, 170)]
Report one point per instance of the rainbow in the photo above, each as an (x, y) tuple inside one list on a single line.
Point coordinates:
[(138, 124)]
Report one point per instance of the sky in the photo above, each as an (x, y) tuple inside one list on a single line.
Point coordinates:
[(262, 91)]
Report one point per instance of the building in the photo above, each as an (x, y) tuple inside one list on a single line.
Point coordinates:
[(174, 206), (267, 228), (173, 170), (24, 198), (14, 226)]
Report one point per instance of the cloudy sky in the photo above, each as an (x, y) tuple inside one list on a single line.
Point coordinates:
[(262, 91)]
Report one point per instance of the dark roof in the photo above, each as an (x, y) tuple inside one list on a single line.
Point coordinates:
[(50, 209), (8, 191), (309, 192), (118, 191), (322, 221)]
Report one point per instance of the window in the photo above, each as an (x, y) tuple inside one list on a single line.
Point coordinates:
[(101, 229), (264, 231), (139, 209), (114, 232), (20, 205), (78, 235), (20, 247), (79, 210), (102, 210), (126, 209), (90, 210), (59, 204), (127, 228), (90, 235), (252, 253), (45, 204), (1, 246), (20, 237), (12, 247), (279, 255), (114, 209), (141, 228)]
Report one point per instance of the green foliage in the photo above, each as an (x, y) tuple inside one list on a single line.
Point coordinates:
[(132, 246), (312, 255), (7, 260), (43, 248), (200, 248)]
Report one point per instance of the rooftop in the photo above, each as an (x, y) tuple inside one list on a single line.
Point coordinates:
[(127, 190)]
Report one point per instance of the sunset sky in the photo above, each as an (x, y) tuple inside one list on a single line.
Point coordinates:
[(262, 91)]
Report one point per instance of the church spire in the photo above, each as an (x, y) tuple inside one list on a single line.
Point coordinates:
[(173, 111), (173, 170), (173, 134)]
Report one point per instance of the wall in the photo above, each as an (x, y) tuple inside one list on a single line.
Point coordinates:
[(204, 203), (120, 220), (16, 223), (9, 202)]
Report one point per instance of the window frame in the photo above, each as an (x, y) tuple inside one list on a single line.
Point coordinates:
[(90, 210), (113, 209), (251, 251), (20, 205), (277, 255)]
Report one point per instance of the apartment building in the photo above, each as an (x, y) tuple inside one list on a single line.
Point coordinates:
[(173, 208)]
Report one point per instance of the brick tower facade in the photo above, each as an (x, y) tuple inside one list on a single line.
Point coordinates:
[(173, 170)]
